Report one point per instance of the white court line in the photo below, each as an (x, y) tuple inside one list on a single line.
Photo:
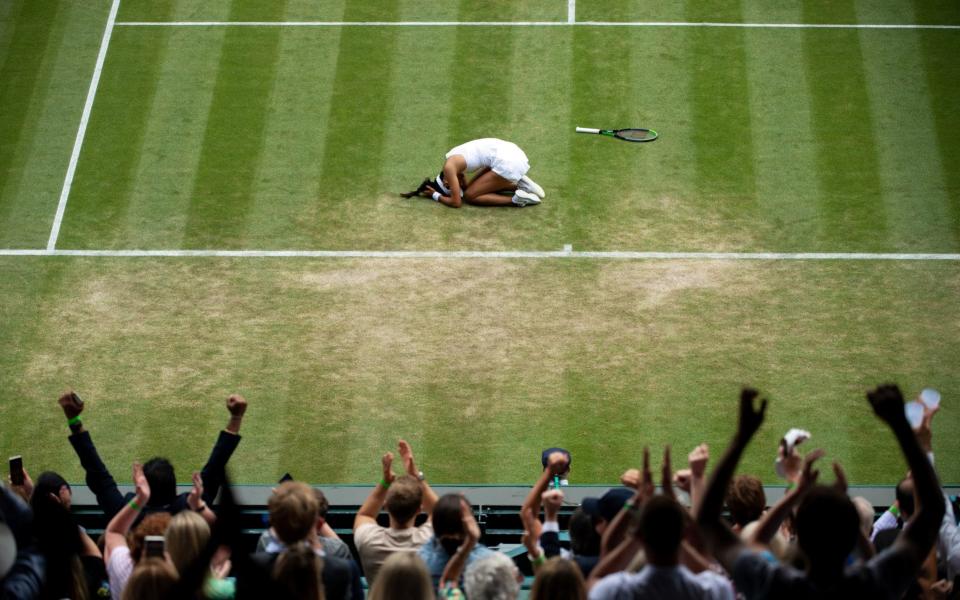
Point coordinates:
[(572, 11), (567, 252), (82, 131), (567, 23)]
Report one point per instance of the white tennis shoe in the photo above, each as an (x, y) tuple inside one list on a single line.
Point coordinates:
[(528, 185), (525, 198)]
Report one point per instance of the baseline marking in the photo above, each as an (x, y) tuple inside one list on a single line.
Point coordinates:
[(82, 131), (566, 252), (567, 23)]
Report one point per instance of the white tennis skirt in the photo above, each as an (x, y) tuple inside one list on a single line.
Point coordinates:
[(510, 162)]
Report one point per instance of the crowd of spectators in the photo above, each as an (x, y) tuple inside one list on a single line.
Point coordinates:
[(695, 537)]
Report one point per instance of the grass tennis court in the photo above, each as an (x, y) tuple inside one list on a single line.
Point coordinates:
[(270, 137)]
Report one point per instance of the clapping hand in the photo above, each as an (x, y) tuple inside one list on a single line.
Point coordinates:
[(195, 497), (387, 462)]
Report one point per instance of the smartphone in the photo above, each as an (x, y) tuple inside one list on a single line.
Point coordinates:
[(16, 470), (286, 477), (153, 546), (77, 398)]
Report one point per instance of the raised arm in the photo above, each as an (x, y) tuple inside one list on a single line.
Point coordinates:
[(429, 496), (454, 568), (920, 532), (214, 471), (371, 506), (115, 535), (697, 462), (98, 477), (770, 522), (556, 464), (720, 540)]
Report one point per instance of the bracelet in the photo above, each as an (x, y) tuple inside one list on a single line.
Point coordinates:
[(73, 421), (385, 483), (536, 562), (629, 505), (894, 510), (790, 486), (133, 504)]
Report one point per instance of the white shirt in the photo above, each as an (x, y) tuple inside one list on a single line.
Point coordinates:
[(479, 153), (669, 583)]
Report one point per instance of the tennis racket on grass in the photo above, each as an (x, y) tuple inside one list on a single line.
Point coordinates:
[(627, 135)]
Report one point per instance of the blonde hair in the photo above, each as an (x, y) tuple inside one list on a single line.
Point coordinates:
[(293, 511), (186, 537), (403, 576), (152, 579)]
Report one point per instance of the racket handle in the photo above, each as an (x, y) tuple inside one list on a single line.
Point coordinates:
[(587, 130)]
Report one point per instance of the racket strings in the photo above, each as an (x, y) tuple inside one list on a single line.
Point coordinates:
[(636, 135)]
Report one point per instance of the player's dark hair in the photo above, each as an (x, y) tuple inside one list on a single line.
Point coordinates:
[(422, 188)]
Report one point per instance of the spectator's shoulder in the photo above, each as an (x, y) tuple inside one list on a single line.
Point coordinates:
[(366, 532), (611, 586), (424, 532)]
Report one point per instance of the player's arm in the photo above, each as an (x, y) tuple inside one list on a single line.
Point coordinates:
[(451, 170)]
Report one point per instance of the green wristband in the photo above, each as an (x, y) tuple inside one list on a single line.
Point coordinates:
[(539, 560), (74, 420), (133, 504), (895, 511), (385, 483), (790, 486)]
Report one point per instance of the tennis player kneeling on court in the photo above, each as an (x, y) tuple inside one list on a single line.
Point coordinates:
[(499, 176)]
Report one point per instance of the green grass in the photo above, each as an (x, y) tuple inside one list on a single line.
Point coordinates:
[(787, 140)]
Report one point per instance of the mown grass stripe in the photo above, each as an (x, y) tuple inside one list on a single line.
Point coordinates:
[(723, 136), (353, 145), (287, 187), (852, 212), (166, 170), (481, 98), (100, 200), (942, 72), (9, 13), (24, 82), (233, 139), (787, 184), (914, 189)]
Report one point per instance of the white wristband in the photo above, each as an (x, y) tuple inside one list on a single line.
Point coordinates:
[(436, 196)]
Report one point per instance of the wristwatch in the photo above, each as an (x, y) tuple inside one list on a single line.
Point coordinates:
[(421, 476)]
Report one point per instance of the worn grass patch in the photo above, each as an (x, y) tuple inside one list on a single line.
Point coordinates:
[(478, 362)]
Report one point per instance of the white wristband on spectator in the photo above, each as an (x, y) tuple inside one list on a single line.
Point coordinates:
[(549, 526), (436, 196)]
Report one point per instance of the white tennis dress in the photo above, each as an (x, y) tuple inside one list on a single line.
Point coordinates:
[(506, 159)]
